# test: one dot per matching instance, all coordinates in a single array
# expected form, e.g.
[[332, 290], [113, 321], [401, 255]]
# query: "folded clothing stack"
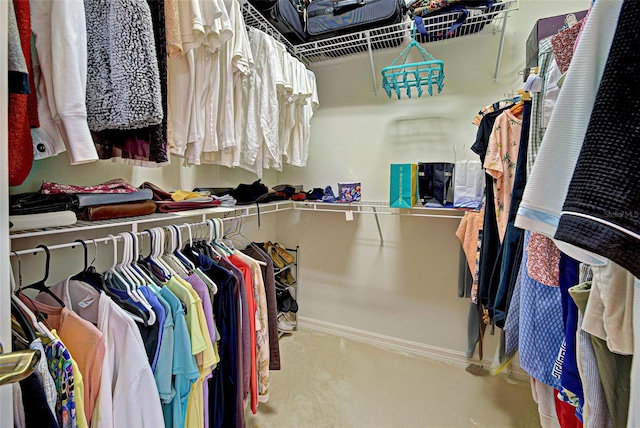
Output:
[[110, 200], [179, 200]]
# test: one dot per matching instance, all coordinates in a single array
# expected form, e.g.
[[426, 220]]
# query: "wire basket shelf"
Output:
[[491, 21]]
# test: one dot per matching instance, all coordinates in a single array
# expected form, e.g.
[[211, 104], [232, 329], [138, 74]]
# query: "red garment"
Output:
[[20, 142], [566, 413], [117, 185], [251, 305], [563, 44], [543, 264]]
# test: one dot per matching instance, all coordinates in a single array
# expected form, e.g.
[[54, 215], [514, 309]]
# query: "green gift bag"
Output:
[[404, 185]]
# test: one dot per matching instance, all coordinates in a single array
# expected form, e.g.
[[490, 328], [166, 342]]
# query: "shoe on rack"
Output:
[[291, 281], [284, 254], [291, 318], [283, 323], [273, 253], [285, 278], [285, 301]]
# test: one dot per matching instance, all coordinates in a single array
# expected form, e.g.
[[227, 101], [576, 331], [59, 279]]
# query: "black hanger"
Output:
[[40, 285], [27, 328], [89, 273]]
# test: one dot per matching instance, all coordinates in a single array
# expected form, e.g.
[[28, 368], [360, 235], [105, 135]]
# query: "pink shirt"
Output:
[[500, 163], [85, 343]]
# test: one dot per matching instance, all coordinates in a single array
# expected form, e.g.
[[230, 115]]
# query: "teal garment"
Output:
[[184, 368], [164, 365]]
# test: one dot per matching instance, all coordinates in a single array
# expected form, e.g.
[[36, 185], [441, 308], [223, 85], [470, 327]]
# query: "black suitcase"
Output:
[[327, 18], [286, 17]]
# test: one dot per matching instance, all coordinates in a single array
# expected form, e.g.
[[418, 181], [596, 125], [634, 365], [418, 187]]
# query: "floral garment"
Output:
[[61, 369], [500, 163]]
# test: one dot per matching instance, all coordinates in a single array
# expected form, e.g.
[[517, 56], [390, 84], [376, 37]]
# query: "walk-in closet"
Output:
[[203, 223]]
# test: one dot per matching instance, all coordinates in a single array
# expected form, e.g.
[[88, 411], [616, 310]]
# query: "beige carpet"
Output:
[[327, 381]]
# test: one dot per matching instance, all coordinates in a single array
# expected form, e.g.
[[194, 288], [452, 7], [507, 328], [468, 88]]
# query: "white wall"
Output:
[[406, 289]]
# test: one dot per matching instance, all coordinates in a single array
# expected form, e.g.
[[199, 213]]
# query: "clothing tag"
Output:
[[86, 302], [349, 215], [533, 83]]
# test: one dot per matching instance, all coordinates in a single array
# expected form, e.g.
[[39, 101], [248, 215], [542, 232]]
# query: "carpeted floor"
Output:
[[327, 381]]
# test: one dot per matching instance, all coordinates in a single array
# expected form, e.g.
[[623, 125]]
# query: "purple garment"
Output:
[[244, 345], [203, 292]]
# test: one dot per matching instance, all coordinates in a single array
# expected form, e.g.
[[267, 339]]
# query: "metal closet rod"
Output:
[[106, 239]]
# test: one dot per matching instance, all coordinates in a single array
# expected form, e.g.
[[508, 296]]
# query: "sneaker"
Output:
[[291, 318], [283, 324]]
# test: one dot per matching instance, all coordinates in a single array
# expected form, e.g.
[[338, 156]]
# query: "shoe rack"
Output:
[[286, 280]]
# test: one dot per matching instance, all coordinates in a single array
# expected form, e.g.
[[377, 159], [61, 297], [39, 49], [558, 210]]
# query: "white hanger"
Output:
[[136, 267], [126, 266], [113, 271], [127, 258], [219, 233], [153, 257], [211, 240], [169, 257], [178, 251], [159, 250]]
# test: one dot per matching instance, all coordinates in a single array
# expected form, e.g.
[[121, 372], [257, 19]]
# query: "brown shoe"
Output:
[[282, 252]]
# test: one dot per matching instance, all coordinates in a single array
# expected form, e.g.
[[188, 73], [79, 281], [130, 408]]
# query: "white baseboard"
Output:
[[403, 346]]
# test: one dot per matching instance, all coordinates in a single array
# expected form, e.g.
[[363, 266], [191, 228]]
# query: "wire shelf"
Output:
[[491, 21], [133, 223]]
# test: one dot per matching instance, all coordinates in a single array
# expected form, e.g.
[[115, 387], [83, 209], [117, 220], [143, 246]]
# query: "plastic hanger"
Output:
[[97, 280], [130, 281], [218, 228], [178, 251], [26, 325], [89, 274], [207, 245], [41, 285], [22, 307], [170, 258], [138, 281], [114, 272], [157, 269], [158, 249], [136, 266], [236, 231], [128, 258]]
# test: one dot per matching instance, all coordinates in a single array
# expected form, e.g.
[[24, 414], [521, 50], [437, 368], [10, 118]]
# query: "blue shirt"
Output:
[[164, 365], [184, 369]]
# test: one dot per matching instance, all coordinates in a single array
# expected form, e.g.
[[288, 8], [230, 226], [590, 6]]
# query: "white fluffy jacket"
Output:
[[123, 81]]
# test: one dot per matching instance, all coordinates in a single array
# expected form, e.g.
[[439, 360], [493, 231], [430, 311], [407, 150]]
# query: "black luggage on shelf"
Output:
[[286, 17], [328, 18], [263, 4]]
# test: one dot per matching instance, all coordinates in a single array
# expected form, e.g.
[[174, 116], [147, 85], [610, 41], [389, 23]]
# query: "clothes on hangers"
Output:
[[126, 373], [83, 340]]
